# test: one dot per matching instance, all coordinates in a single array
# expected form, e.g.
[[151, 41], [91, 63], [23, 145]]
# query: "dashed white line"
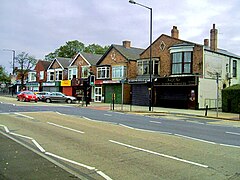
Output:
[[157, 122], [57, 125], [29, 117], [233, 133], [107, 114], [159, 154], [38, 145]]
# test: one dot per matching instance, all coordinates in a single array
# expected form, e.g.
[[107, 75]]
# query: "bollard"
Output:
[[206, 110]]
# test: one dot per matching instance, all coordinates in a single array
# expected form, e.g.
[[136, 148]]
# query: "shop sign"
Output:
[[111, 82], [32, 84], [49, 84], [177, 81], [66, 83]]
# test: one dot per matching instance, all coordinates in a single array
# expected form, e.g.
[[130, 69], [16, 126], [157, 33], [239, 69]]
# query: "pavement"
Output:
[[158, 111]]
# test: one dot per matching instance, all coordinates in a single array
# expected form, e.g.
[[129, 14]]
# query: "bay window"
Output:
[[118, 72], [103, 72], [143, 66], [182, 62], [85, 71], [72, 73]]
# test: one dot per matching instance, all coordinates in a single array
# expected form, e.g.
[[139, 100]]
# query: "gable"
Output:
[[54, 65], [79, 61], [113, 57]]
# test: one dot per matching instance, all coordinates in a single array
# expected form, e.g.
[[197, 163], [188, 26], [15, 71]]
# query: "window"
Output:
[[103, 72], [59, 75], [72, 73], [50, 75], [41, 75], [85, 71], [118, 72], [182, 62], [234, 68], [31, 76], [143, 67]]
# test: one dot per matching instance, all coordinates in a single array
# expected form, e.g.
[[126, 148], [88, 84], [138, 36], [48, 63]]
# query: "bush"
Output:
[[231, 99]]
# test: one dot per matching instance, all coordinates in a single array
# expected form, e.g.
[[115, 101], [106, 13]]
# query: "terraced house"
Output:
[[114, 69]]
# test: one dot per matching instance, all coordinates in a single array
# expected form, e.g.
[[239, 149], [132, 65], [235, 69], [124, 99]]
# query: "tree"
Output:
[[4, 77], [96, 49], [26, 63], [71, 48]]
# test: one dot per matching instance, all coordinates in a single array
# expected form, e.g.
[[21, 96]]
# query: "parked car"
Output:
[[41, 94], [58, 96], [27, 96]]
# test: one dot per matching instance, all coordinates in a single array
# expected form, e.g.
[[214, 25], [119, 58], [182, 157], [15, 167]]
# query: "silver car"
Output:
[[57, 97]]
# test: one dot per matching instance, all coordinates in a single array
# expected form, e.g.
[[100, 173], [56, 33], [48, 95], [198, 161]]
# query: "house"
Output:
[[38, 76], [188, 75], [79, 70], [114, 69], [56, 72]]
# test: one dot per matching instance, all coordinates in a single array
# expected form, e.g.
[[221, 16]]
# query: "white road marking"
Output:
[[65, 127], [29, 117], [196, 122], [159, 154], [107, 114], [5, 128], [19, 135], [137, 129], [210, 142], [38, 145], [234, 133], [157, 122], [227, 145], [80, 164], [60, 113]]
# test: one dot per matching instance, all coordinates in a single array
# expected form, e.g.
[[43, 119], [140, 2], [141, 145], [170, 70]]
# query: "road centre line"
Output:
[[137, 129], [66, 127], [107, 114], [157, 122], [233, 133], [29, 117], [159, 154]]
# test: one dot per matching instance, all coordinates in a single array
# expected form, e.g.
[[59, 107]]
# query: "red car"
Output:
[[27, 96]]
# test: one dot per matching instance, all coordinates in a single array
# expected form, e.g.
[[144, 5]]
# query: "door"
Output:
[[98, 94]]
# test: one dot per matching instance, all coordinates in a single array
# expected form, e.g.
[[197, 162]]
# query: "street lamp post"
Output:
[[13, 60], [150, 61]]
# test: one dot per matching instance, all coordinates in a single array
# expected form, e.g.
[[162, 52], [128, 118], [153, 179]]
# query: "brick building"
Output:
[[38, 76], [56, 72], [82, 66], [114, 69], [187, 74]]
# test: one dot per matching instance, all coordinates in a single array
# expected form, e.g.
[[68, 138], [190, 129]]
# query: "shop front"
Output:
[[139, 92], [32, 86], [66, 87], [177, 92], [52, 86]]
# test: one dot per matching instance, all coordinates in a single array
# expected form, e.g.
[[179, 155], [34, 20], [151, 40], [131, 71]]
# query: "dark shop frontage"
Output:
[[176, 92]]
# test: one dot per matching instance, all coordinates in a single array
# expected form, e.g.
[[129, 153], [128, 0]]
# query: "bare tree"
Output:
[[25, 64]]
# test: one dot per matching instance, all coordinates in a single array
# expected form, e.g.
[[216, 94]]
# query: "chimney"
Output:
[[206, 42], [175, 32], [213, 38], [127, 44]]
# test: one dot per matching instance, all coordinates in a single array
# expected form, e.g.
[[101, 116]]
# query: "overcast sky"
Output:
[[38, 27]]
